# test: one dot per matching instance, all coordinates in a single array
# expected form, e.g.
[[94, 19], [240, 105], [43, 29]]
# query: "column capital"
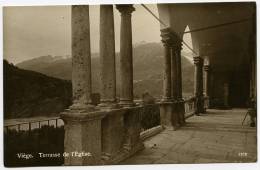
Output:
[[170, 39], [125, 9], [197, 60], [166, 36], [206, 67]]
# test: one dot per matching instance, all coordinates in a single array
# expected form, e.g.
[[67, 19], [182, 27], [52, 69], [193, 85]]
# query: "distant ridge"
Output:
[[148, 69], [28, 93]]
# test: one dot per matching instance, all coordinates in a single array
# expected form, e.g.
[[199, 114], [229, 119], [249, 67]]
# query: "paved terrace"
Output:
[[215, 137]]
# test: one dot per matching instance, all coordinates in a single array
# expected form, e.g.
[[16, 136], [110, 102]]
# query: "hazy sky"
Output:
[[35, 31]]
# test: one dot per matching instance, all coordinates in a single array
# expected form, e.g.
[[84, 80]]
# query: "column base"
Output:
[[181, 111], [166, 100], [108, 106], [121, 134], [126, 103], [82, 134], [81, 106], [169, 115], [112, 133], [206, 103], [132, 123], [199, 105]]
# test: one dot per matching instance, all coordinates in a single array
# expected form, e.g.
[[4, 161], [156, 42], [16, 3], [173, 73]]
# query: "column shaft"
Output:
[[126, 55], [207, 82], [107, 55], [253, 69], [181, 109], [81, 56], [165, 34], [198, 85], [167, 74], [174, 75], [198, 75], [179, 72]]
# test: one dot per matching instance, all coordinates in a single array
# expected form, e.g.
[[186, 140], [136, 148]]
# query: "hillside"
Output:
[[28, 93], [148, 69]]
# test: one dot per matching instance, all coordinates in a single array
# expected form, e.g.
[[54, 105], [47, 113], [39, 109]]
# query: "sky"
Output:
[[33, 31]]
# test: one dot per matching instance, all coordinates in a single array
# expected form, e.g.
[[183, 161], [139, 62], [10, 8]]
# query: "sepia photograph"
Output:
[[129, 84]]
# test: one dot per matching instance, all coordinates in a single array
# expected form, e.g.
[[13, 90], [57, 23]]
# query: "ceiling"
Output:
[[226, 45]]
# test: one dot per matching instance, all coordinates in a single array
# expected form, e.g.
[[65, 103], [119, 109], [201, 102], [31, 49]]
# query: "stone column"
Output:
[[165, 34], [179, 74], [107, 56], [174, 73], [253, 71], [181, 109], [207, 84], [166, 105], [206, 71], [168, 114], [82, 122], [132, 127], [81, 57], [126, 55], [253, 62], [175, 49], [198, 85]]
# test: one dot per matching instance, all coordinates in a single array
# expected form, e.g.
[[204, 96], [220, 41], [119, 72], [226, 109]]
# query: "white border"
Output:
[[96, 2], [229, 166]]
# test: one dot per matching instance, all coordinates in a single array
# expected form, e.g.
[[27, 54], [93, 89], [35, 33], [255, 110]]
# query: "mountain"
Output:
[[28, 93], [147, 62]]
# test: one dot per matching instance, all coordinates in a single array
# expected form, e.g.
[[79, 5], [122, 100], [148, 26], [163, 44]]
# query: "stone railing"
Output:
[[109, 135], [150, 116], [119, 134], [150, 120], [189, 106], [123, 130]]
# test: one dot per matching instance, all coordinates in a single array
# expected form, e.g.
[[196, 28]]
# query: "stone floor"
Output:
[[215, 137]]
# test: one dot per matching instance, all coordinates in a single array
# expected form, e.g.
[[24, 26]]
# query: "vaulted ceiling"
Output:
[[228, 28]]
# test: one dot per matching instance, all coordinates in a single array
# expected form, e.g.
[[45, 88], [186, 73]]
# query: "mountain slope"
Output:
[[28, 93], [147, 62]]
